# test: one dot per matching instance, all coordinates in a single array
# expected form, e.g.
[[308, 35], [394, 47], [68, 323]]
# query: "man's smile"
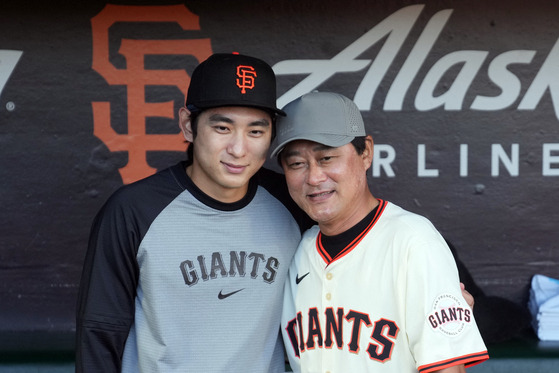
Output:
[[319, 195], [233, 168]]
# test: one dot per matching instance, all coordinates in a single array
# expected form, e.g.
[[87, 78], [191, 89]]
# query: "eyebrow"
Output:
[[216, 118], [316, 148]]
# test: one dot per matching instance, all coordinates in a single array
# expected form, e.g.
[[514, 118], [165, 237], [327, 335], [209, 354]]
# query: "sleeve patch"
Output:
[[449, 315]]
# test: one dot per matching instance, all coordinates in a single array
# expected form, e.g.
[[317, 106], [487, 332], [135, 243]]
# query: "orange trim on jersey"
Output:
[[346, 250], [467, 360]]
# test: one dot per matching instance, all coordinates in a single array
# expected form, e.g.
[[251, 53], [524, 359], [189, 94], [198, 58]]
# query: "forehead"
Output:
[[237, 113], [298, 147]]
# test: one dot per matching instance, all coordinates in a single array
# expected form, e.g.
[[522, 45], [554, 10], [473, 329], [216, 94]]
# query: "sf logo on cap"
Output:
[[246, 76]]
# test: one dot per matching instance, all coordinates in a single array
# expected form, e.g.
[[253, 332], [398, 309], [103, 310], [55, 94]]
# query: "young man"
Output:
[[185, 269], [372, 288]]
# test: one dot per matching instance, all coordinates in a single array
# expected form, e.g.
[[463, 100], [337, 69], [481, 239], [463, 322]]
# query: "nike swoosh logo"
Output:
[[223, 296], [299, 279]]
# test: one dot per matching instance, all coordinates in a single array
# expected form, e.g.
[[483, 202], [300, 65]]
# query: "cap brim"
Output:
[[214, 104], [325, 139]]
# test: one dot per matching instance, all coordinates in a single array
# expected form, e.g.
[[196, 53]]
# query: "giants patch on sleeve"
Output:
[[450, 315]]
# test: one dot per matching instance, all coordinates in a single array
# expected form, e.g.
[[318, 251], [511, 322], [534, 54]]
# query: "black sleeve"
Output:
[[276, 185], [105, 310], [107, 294]]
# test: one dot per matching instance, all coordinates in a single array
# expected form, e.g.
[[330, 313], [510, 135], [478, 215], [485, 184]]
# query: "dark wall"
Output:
[[462, 98]]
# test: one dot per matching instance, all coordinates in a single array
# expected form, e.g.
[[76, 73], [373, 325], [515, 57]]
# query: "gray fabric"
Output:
[[323, 117], [187, 258]]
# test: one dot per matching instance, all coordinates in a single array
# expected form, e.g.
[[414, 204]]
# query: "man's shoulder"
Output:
[[408, 225], [160, 187], [395, 212], [311, 234], [269, 178], [274, 182]]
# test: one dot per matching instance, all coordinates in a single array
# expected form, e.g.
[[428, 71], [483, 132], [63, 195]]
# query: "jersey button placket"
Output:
[[328, 294], [328, 288]]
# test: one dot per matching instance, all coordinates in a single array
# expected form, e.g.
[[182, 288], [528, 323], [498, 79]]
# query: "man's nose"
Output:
[[237, 145], [316, 174]]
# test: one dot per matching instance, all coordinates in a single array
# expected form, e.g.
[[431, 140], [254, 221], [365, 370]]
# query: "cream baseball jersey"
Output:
[[388, 302]]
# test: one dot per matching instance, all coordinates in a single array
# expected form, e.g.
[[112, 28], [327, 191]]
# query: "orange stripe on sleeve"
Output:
[[467, 360]]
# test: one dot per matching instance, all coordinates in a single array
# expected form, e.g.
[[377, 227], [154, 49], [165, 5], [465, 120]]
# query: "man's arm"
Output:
[[105, 310], [432, 270], [469, 298], [455, 369]]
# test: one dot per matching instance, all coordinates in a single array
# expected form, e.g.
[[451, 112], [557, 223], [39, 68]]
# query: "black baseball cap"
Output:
[[231, 79]]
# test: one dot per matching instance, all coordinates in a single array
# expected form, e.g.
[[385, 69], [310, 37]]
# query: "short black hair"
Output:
[[194, 126], [359, 144]]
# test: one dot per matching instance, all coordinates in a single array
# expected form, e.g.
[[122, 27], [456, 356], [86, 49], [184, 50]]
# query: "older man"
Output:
[[373, 287]]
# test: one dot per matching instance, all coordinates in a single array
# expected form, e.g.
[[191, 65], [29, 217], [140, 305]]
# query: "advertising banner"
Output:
[[461, 98]]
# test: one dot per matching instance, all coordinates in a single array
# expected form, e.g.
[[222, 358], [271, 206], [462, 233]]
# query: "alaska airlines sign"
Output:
[[395, 29], [392, 32], [8, 62]]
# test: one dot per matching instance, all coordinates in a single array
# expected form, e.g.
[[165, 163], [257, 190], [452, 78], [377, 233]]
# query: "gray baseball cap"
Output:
[[324, 117]]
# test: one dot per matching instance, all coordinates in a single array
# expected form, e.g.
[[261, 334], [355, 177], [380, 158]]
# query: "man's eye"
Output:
[[221, 128], [295, 165]]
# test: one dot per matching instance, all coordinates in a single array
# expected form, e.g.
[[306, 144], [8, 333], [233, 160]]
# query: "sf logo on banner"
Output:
[[135, 77]]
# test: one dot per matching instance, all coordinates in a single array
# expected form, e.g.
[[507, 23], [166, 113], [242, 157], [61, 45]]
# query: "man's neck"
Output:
[[220, 194], [332, 228]]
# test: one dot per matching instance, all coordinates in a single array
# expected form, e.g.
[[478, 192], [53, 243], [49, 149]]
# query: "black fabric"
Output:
[[276, 185], [103, 317], [498, 319], [226, 79], [334, 244], [214, 203]]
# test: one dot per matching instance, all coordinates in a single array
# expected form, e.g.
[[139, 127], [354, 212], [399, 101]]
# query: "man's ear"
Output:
[[368, 152], [185, 124]]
